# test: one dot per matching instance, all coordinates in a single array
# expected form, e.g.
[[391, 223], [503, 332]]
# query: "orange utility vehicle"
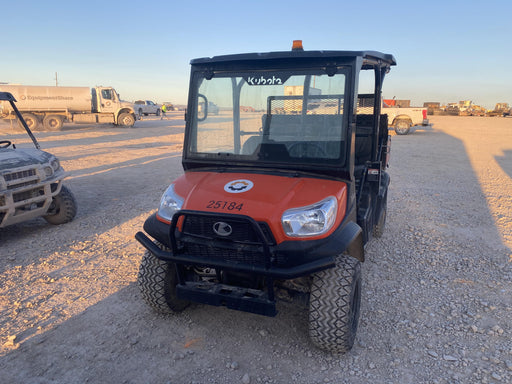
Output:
[[278, 198]]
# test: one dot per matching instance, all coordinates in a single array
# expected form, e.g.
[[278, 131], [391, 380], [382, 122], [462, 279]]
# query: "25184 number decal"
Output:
[[229, 205]]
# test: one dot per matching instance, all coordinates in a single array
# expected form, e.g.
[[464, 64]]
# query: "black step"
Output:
[[238, 298]]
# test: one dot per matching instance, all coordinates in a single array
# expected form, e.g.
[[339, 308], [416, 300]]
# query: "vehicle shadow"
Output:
[[505, 162], [441, 247]]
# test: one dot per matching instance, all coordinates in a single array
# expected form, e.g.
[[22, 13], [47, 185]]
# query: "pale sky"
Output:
[[446, 51]]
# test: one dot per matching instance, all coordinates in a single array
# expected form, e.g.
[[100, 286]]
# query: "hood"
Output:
[[14, 158], [262, 197], [127, 104]]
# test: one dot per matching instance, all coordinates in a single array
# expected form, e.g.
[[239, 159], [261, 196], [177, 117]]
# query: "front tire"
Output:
[[334, 304], [157, 281], [126, 120], [62, 209]]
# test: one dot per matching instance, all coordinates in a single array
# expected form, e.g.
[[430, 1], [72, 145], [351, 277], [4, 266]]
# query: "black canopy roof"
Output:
[[369, 57]]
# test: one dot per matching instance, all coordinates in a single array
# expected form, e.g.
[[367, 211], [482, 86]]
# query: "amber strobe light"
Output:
[[297, 45]]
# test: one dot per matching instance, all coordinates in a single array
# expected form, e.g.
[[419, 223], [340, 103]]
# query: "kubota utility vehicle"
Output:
[[281, 189]]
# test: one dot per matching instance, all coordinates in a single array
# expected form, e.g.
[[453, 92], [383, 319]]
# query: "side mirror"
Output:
[[202, 107]]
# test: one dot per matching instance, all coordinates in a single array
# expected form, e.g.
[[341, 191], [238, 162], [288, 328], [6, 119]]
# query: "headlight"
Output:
[[48, 171], [55, 164], [170, 203], [312, 220]]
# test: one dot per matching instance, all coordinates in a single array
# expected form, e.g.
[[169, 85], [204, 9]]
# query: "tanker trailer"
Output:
[[51, 106]]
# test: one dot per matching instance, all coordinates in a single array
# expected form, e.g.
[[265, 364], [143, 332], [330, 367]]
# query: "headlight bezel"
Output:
[[311, 220], [170, 203]]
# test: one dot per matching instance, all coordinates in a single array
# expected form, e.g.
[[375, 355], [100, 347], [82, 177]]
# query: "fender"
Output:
[[402, 117], [349, 240], [157, 230]]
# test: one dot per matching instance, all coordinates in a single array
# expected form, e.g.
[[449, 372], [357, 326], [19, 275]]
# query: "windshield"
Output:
[[274, 117]]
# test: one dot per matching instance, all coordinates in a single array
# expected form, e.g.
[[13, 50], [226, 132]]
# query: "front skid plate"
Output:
[[241, 299]]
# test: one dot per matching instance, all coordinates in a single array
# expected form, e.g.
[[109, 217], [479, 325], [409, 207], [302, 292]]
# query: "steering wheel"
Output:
[[4, 143], [307, 149]]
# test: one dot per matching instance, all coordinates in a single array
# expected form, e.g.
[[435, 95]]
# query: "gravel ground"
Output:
[[437, 300]]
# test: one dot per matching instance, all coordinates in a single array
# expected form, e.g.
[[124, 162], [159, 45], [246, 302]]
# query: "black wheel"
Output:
[[32, 121], [402, 127], [334, 305], [53, 122], [126, 119], [158, 112], [157, 281], [62, 209], [4, 143], [140, 113]]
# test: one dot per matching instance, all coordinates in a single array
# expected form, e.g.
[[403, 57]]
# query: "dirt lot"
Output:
[[437, 301]]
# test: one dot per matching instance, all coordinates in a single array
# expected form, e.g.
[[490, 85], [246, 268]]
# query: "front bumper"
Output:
[[273, 272], [287, 260], [258, 257], [27, 202]]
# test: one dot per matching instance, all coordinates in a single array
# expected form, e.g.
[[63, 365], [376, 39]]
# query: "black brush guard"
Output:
[[227, 254]]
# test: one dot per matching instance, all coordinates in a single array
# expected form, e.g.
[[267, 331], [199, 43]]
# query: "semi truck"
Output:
[[49, 107]]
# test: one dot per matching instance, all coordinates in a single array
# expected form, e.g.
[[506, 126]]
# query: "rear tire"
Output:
[[63, 208], [157, 281], [334, 305], [53, 122], [32, 121], [402, 127], [158, 112]]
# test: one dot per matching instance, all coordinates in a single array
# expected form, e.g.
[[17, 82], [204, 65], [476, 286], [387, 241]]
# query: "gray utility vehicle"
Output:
[[281, 189], [31, 182]]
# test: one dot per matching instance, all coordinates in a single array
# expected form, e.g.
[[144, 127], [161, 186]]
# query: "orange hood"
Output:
[[262, 197]]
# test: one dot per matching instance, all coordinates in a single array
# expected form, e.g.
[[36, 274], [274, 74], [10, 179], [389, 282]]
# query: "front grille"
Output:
[[243, 231], [20, 179], [242, 242], [19, 175]]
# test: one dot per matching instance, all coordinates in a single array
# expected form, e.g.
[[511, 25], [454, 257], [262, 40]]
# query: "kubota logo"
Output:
[[222, 229], [238, 186]]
